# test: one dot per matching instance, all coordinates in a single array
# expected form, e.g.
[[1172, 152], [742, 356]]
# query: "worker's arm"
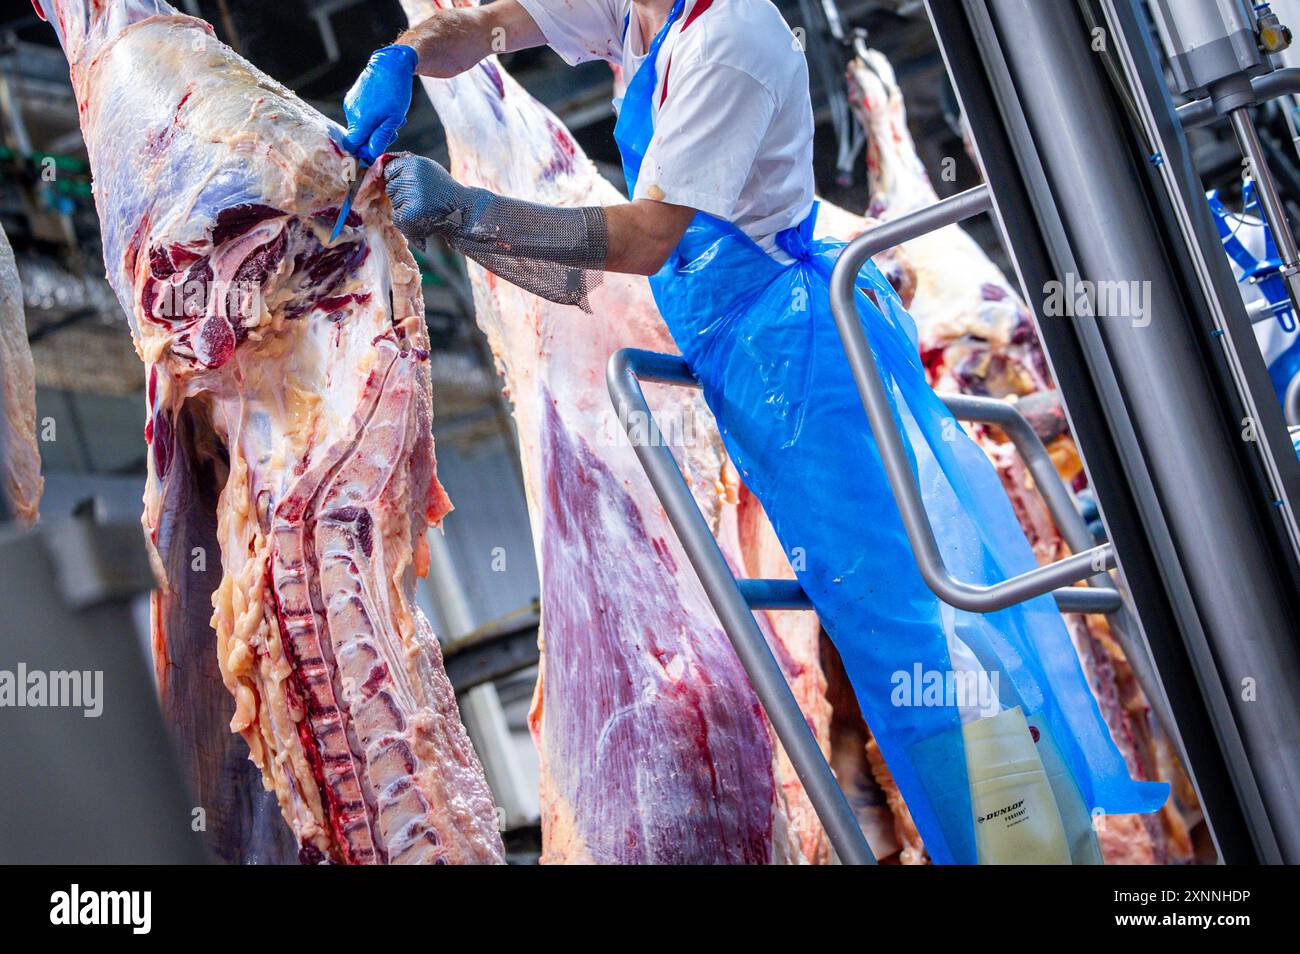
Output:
[[554, 252], [454, 40], [642, 234], [448, 43]]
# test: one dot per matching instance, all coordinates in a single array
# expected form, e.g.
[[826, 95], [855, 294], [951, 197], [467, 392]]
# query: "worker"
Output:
[[737, 93], [715, 129]]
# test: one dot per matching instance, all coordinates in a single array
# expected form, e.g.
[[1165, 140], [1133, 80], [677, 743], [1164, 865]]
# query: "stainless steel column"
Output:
[[1237, 609]]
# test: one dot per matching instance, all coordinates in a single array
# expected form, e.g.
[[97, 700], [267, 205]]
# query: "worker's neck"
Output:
[[651, 15]]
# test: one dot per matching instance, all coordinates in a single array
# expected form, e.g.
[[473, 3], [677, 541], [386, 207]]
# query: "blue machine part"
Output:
[[1264, 273]]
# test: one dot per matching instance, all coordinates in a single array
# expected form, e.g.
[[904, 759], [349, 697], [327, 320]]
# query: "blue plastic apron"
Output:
[[761, 338]]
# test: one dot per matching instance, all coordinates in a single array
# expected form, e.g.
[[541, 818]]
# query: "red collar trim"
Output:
[[691, 17]]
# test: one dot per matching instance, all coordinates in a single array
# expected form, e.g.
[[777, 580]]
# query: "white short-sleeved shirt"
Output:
[[734, 129]]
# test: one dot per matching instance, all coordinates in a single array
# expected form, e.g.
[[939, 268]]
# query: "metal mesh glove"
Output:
[[553, 252]]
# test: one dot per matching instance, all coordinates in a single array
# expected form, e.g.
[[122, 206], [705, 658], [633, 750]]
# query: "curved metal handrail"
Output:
[[893, 453]]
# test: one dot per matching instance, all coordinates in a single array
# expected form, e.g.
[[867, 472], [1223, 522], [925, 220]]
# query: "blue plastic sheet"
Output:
[[760, 336]]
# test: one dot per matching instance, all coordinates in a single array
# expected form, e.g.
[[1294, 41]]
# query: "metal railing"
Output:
[[893, 453], [735, 600], [1087, 561]]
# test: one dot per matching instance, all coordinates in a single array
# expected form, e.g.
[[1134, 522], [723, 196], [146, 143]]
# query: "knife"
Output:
[[347, 202]]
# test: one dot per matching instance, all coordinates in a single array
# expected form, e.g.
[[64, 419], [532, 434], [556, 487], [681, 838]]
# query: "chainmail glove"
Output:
[[556, 253]]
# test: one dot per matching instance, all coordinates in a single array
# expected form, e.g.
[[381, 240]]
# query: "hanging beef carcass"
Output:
[[977, 337], [19, 459], [289, 424], [652, 743], [653, 746]]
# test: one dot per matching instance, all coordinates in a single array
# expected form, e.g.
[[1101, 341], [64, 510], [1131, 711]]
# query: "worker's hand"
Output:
[[378, 101], [423, 194]]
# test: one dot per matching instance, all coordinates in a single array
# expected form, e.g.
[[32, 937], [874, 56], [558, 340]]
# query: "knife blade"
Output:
[[347, 203]]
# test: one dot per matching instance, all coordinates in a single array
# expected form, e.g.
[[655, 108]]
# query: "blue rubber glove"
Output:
[[378, 101]]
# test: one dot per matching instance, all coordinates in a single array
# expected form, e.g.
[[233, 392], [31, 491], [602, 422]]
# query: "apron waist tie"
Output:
[[797, 240]]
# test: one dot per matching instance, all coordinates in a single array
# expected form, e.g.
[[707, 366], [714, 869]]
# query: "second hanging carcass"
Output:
[[653, 745]]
